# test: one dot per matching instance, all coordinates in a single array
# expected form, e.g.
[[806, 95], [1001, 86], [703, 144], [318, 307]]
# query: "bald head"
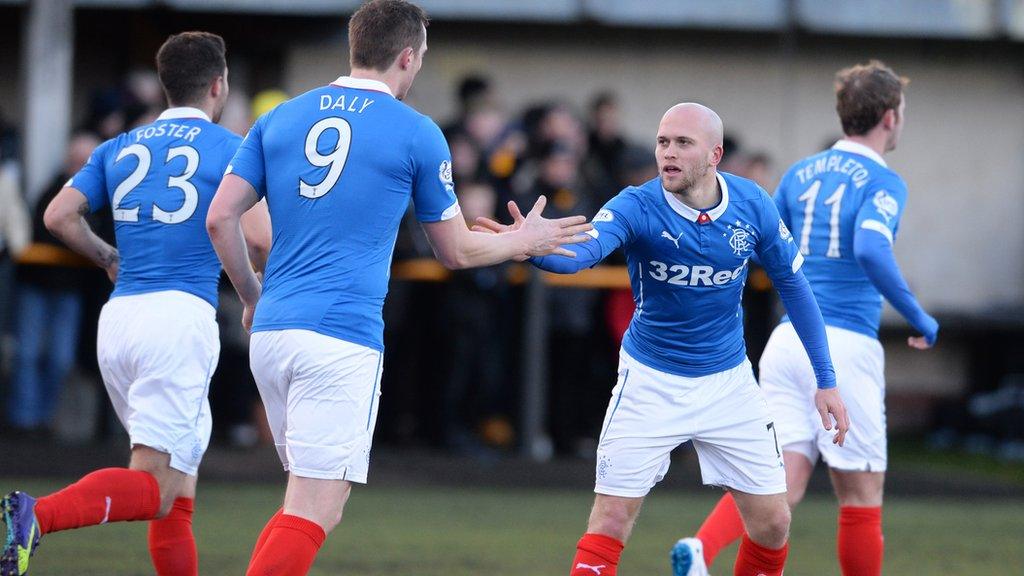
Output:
[[689, 147], [697, 117]]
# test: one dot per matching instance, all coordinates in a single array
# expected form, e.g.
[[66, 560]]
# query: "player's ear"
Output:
[[405, 58], [716, 155], [889, 118]]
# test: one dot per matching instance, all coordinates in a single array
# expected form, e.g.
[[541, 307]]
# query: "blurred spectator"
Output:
[[572, 311], [759, 169], [603, 166], [473, 301], [474, 93], [15, 234], [49, 309]]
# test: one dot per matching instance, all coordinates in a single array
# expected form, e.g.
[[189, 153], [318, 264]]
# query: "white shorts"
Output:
[[651, 413], [157, 352], [321, 397], [789, 385]]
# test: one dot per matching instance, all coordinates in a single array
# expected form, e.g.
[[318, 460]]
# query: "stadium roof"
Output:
[[955, 19]]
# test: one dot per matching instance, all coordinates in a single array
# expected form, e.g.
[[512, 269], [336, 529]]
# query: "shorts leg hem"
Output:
[[332, 475], [606, 491], [755, 490]]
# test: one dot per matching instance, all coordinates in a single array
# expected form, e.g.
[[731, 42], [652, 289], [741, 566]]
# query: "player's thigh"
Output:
[[736, 441], [272, 355], [331, 408], [642, 425], [788, 383], [860, 373], [862, 489]]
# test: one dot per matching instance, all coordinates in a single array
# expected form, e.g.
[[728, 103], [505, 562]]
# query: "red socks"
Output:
[[289, 549], [756, 560], [596, 555], [262, 539], [108, 495], [721, 528], [171, 544], [859, 541]]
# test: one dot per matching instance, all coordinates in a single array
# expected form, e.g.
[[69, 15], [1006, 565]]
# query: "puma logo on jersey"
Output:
[[673, 239], [594, 569]]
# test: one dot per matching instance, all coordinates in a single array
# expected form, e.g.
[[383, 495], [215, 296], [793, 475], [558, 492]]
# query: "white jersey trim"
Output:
[[857, 148], [451, 212], [183, 112], [362, 84], [878, 227], [692, 214]]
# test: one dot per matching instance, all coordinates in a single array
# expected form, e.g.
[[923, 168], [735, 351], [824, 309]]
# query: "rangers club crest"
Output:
[[740, 238], [784, 232]]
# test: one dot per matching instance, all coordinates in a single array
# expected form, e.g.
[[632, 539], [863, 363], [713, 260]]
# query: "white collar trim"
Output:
[[858, 148], [362, 84], [183, 112], [692, 214]]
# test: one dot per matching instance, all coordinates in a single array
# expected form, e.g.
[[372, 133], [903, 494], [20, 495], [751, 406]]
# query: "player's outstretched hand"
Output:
[[547, 236], [489, 226], [918, 342], [830, 407]]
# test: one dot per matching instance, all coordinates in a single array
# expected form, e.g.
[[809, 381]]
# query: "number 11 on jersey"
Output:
[[835, 201]]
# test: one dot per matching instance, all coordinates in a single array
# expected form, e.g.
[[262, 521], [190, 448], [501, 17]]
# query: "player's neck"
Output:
[[389, 78], [704, 194], [207, 107], [874, 140]]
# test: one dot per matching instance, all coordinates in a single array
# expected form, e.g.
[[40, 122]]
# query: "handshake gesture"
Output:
[[540, 236]]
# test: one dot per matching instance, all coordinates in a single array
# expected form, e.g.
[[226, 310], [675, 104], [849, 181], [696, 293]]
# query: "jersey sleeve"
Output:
[[776, 249], [433, 188], [248, 162], [91, 180], [883, 205], [230, 147]]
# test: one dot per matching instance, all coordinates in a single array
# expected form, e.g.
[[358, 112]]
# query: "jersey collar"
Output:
[[362, 84], [692, 214], [857, 148], [183, 112]]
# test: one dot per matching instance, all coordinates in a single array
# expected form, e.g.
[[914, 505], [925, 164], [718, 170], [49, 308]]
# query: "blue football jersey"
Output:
[[687, 269], [825, 199], [338, 166], [159, 180]]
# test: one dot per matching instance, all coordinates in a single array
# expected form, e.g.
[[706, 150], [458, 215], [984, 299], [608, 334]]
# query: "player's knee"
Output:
[[772, 529]]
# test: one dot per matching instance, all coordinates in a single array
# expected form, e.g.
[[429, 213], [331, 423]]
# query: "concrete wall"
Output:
[[961, 243]]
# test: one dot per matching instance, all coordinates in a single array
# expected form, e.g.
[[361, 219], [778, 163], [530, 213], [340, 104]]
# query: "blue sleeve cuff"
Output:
[[587, 254], [875, 256]]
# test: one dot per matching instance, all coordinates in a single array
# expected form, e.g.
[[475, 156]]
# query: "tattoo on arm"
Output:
[[83, 208]]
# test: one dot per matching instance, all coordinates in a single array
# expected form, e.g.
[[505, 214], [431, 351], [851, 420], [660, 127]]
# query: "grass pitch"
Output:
[[433, 531]]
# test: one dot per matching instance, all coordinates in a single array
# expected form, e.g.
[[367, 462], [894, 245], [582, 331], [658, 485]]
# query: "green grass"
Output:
[[461, 532]]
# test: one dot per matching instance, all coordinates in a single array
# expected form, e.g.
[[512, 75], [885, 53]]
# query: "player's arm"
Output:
[[782, 262], [257, 231], [608, 234], [234, 197], [65, 219], [872, 247], [456, 246]]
